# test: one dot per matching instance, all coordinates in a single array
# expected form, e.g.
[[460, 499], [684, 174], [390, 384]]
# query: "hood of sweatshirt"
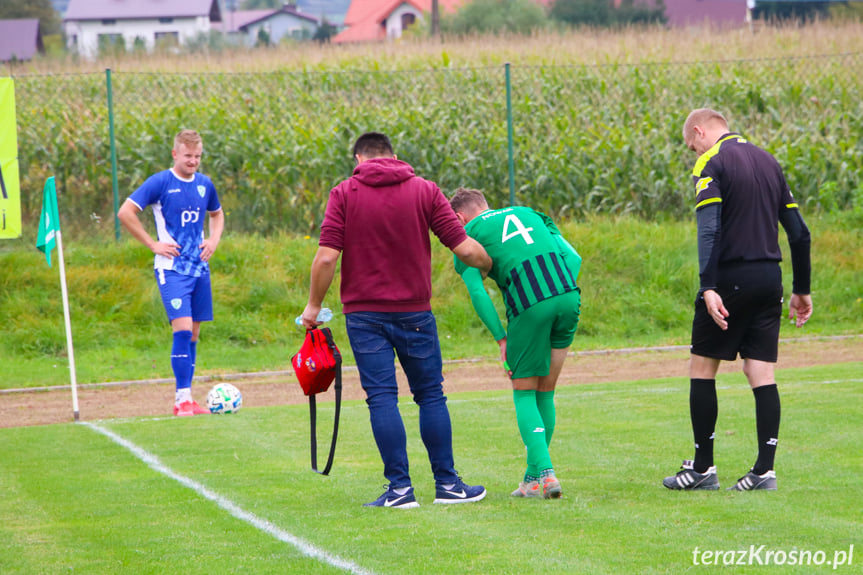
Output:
[[382, 172]]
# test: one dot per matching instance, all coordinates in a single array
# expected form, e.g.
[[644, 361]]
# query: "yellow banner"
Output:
[[10, 192]]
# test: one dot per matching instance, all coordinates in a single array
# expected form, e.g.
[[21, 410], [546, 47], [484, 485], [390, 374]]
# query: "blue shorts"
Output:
[[185, 296]]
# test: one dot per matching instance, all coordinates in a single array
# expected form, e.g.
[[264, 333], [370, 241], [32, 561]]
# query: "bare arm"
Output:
[[473, 254], [323, 272], [217, 226], [128, 216]]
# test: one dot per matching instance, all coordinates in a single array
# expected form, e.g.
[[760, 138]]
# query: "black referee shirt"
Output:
[[750, 186], [741, 198]]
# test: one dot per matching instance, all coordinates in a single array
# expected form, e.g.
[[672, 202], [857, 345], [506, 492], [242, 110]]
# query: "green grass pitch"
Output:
[[235, 493]]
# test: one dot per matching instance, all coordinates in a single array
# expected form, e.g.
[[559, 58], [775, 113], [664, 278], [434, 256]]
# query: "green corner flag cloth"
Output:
[[49, 222]]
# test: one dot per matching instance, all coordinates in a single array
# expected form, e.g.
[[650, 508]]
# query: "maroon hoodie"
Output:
[[380, 220]]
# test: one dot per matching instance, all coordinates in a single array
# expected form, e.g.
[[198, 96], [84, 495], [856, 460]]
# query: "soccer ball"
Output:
[[224, 398]]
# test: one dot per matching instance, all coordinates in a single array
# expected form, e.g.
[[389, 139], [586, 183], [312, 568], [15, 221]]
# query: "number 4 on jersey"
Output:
[[520, 230]]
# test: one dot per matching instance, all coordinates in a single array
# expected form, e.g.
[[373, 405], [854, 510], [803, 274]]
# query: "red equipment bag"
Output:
[[317, 364]]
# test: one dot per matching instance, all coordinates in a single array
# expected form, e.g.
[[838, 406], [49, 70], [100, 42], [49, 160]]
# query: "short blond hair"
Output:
[[190, 138], [700, 117]]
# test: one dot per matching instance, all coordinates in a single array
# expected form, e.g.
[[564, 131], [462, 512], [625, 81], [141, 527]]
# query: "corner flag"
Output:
[[48, 238], [49, 221]]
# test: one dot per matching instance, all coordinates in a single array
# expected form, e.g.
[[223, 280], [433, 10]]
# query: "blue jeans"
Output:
[[376, 338]]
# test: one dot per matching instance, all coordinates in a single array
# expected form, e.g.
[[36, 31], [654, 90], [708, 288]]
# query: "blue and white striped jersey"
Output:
[[179, 209]]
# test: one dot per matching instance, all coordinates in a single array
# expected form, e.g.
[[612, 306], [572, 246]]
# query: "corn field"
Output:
[[586, 138]]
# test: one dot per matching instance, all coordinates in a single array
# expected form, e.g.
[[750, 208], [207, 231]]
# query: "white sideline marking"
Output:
[[302, 546]]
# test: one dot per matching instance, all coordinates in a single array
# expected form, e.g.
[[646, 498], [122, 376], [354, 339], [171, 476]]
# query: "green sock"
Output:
[[532, 430], [545, 404]]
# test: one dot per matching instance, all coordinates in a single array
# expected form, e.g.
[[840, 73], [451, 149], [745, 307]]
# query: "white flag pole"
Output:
[[59, 238]]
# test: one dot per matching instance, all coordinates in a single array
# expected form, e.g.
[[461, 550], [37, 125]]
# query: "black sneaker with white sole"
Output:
[[392, 499], [690, 480], [753, 482], [460, 492]]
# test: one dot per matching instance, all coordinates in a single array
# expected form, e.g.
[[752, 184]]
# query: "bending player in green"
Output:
[[536, 271]]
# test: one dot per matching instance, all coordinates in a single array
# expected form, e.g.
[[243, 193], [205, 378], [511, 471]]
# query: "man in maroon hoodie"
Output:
[[379, 219]]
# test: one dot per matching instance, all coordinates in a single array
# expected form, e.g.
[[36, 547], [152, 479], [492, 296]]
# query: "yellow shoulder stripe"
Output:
[[706, 156], [708, 201], [790, 206]]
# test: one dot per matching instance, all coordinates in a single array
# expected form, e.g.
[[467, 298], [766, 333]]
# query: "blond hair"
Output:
[[700, 117], [190, 138]]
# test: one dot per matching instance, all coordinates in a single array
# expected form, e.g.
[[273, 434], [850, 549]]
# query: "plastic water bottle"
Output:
[[324, 316]]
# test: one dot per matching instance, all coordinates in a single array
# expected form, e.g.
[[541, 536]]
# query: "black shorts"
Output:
[[752, 294]]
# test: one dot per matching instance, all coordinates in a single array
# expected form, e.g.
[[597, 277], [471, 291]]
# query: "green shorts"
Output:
[[549, 324]]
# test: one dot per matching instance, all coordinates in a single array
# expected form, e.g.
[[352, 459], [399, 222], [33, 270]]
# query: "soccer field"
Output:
[[234, 493]]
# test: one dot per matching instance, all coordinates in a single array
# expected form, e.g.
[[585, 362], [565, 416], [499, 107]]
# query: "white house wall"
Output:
[[394, 20], [86, 32]]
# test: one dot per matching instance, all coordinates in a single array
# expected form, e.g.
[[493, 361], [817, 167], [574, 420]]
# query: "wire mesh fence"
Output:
[[585, 138]]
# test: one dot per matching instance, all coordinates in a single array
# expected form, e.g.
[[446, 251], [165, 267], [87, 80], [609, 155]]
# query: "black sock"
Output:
[[767, 412], [703, 410]]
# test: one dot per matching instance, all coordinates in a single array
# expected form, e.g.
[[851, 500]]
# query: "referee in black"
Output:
[[741, 198]]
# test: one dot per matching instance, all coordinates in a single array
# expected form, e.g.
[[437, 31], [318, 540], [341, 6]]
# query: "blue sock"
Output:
[[193, 353], [181, 359]]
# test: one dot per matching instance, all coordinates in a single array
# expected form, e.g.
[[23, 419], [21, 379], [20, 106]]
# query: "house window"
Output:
[[407, 20], [166, 20], [301, 34], [110, 39], [110, 22], [111, 44], [167, 39]]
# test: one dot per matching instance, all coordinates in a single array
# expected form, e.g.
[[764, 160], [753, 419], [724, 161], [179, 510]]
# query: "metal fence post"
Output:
[[114, 185], [509, 137]]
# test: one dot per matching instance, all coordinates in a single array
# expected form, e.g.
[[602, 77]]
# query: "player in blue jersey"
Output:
[[181, 198]]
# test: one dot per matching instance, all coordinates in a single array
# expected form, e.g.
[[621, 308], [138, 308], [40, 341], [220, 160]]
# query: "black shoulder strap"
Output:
[[313, 409]]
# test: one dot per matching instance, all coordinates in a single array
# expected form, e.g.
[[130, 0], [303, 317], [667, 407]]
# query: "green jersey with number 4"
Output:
[[532, 261]]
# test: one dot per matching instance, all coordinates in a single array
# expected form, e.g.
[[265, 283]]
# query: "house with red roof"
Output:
[[91, 23], [373, 20], [20, 39]]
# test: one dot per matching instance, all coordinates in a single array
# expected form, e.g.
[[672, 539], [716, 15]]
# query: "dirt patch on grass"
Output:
[[151, 399]]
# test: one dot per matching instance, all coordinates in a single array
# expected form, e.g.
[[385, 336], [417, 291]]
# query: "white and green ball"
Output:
[[224, 398]]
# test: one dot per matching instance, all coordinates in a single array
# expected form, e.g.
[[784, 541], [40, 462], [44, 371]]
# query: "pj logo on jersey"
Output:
[[189, 217], [201, 191]]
